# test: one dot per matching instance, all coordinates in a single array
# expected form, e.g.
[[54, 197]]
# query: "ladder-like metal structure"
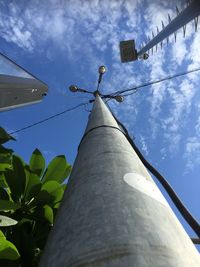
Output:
[[191, 12]]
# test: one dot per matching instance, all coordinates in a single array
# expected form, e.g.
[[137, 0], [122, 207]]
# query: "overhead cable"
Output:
[[48, 118], [134, 89], [172, 194]]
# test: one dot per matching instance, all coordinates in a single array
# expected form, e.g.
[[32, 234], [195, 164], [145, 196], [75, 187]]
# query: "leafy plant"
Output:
[[30, 195]]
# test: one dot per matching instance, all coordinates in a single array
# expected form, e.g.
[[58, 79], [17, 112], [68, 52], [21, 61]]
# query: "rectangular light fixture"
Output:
[[17, 86]]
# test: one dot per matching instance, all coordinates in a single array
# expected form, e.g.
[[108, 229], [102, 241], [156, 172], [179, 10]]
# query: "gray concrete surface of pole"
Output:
[[112, 213]]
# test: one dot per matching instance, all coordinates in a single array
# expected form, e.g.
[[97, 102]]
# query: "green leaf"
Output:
[[16, 178], [64, 186], [2, 180], [7, 249], [6, 221], [47, 195], [67, 171], [4, 194], [4, 136], [4, 166], [33, 185], [50, 186], [56, 170], [2, 236], [48, 213], [5, 158], [58, 194], [5, 150], [37, 162], [8, 205]]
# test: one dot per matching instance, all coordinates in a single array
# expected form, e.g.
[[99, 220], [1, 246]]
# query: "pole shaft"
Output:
[[112, 213]]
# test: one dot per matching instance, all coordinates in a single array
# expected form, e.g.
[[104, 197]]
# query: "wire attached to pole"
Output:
[[172, 194], [134, 89], [48, 118]]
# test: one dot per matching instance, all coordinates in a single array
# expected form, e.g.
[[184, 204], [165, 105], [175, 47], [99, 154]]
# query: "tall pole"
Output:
[[112, 213]]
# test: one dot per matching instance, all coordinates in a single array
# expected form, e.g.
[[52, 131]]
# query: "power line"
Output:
[[174, 197], [48, 118], [131, 90], [134, 89]]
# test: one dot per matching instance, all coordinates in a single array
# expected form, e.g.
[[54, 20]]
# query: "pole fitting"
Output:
[[96, 93]]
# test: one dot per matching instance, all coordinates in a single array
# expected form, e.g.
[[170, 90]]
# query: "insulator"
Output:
[[169, 18], [175, 34], [163, 26], [184, 30], [157, 30], [196, 23], [152, 34]]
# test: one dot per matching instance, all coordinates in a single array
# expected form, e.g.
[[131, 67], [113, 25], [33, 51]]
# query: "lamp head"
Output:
[[119, 98], [73, 88], [102, 69]]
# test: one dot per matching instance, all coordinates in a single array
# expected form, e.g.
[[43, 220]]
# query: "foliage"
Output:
[[29, 198]]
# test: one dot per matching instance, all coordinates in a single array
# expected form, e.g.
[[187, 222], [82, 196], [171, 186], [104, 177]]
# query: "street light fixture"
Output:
[[119, 98], [102, 70], [73, 88]]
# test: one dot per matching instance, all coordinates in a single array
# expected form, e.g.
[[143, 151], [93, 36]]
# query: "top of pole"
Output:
[[100, 115]]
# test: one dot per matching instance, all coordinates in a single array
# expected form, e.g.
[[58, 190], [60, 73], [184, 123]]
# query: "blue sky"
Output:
[[64, 43]]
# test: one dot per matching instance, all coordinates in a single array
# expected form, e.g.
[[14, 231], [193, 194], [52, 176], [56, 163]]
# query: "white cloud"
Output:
[[13, 28], [192, 146], [192, 153], [197, 127], [181, 98], [144, 145], [179, 51]]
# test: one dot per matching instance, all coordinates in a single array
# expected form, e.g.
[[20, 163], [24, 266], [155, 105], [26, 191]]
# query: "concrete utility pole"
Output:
[[112, 213]]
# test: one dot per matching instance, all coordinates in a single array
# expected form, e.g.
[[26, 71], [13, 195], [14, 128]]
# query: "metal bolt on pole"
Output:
[[112, 213]]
